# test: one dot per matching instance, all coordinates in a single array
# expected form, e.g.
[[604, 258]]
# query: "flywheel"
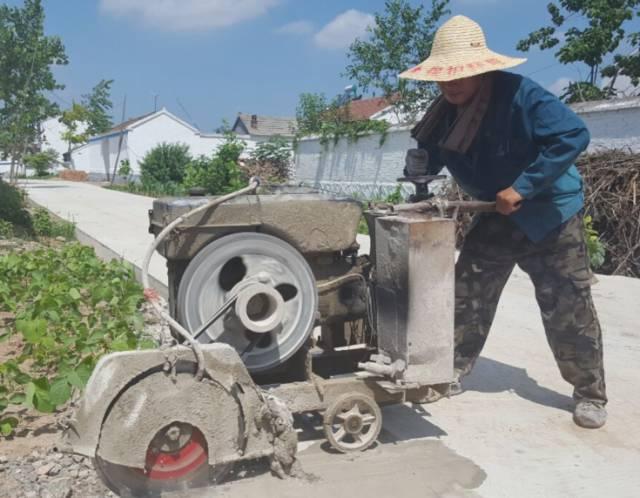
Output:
[[252, 291]]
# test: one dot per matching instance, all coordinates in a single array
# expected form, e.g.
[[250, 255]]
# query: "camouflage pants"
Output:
[[559, 269]]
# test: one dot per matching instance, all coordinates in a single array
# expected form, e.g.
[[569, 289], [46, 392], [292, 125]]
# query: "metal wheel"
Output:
[[352, 422], [177, 459], [270, 280]]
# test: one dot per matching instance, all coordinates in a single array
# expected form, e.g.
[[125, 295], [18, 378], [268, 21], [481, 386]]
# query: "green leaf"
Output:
[[60, 392], [7, 425], [74, 294], [4, 402], [84, 370], [146, 344], [42, 384], [32, 330], [120, 344], [18, 376], [74, 379], [29, 393], [17, 399], [48, 343], [42, 403]]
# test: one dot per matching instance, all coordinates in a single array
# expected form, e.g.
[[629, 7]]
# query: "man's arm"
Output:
[[560, 136]]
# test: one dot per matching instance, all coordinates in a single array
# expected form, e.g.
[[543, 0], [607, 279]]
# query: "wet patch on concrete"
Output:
[[418, 468]]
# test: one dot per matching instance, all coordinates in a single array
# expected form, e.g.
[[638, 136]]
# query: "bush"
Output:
[[44, 226], [12, 206], [219, 174], [150, 189], [125, 168], [6, 229], [41, 162], [165, 164], [275, 153]]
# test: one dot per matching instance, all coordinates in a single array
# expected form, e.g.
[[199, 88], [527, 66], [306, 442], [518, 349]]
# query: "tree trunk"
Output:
[[12, 170]]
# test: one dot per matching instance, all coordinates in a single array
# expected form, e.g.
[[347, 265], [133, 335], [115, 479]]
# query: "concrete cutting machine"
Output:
[[273, 313]]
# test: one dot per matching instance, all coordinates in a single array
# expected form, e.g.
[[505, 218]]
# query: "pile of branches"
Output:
[[269, 171], [612, 199]]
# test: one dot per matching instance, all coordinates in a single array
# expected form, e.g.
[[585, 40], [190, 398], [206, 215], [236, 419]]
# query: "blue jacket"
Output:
[[528, 140]]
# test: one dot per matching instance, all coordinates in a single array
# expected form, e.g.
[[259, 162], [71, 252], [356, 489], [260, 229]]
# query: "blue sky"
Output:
[[206, 60]]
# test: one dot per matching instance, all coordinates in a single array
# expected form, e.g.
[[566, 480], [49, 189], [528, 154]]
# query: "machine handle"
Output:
[[440, 205], [446, 205]]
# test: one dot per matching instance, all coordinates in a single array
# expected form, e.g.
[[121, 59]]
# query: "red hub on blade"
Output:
[[165, 466]]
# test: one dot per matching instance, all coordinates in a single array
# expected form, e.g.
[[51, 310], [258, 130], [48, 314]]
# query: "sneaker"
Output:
[[589, 415]]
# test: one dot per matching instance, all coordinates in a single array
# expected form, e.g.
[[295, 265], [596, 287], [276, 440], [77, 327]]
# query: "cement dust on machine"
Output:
[[251, 275]]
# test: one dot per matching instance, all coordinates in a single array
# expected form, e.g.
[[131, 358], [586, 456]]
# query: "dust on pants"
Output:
[[559, 269]]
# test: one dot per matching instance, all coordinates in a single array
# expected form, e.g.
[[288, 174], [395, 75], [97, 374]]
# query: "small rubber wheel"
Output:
[[352, 422]]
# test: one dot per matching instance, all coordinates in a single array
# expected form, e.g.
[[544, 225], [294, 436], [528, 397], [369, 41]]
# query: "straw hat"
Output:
[[459, 50]]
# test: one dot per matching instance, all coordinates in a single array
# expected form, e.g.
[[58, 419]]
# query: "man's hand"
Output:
[[508, 201], [416, 162]]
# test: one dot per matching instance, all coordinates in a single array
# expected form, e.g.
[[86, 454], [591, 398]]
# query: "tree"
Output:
[[274, 154], [41, 162], [26, 57], [333, 121], [309, 112], [164, 165], [400, 38], [626, 64], [75, 119], [98, 104], [596, 31]]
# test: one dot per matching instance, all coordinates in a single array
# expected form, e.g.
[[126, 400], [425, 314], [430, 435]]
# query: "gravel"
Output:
[[50, 474]]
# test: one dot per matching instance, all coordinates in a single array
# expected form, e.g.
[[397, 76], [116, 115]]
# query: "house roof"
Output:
[[254, 124], [366, 108], [125, 124], [137, 121], [606, 105]]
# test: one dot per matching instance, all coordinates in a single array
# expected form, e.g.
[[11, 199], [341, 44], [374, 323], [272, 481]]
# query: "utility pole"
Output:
[[122, 132], [155, 102]]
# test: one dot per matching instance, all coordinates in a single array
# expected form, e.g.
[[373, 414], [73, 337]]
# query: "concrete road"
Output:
[[115, 223], [510, 434]]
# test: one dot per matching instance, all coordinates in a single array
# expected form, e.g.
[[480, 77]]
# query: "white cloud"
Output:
[[296, 28], [558, 86], [343, 30], [188, 15]]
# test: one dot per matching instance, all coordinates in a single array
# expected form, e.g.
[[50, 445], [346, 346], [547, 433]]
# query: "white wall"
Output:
[[365, 166], [5, 168], [146, 136], [614, 129], [99, 156]]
